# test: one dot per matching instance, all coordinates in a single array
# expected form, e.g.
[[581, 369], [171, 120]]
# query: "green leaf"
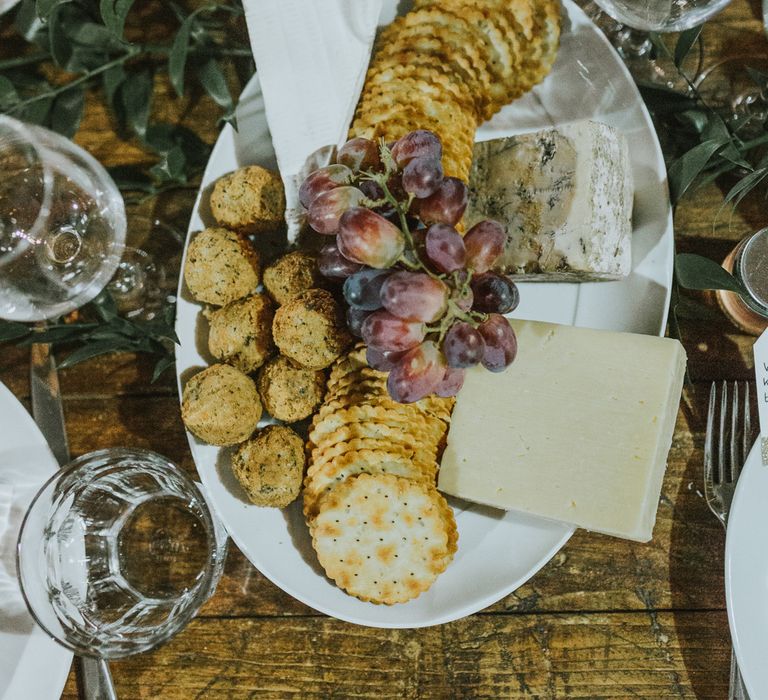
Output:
[[11, 330], [64, 333], [130, 177], [685, 169], [697, 272], [26, 22], [213, 81], [45, 7], [60, 45], [663, 100], [88, 352], [162, 137], [732, 154], [171, 167], [744, 186], [93, 36], [177, 58], [113, 13], [161, 366], [716, 129], [67, 111], [37, 112], [112, 79], [685, 41], [697, 119], [136, 100], [8, 95]]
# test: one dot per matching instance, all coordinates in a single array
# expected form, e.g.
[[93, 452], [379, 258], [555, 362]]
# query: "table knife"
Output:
[[93, 676]]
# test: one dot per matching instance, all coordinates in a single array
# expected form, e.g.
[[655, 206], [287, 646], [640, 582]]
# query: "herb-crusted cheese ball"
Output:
[[221, 405], [270, 466], [288, 392], [250, 200], [311, 330], [291, 275], [221, 266], [240, 333]]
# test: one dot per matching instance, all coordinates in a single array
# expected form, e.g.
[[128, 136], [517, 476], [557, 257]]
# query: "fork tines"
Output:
[[726, 448]]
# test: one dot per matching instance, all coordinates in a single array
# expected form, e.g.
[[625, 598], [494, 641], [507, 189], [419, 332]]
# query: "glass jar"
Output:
[[748, 262]]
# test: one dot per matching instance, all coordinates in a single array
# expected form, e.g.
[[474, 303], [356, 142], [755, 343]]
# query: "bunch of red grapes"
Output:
[[423, 299]]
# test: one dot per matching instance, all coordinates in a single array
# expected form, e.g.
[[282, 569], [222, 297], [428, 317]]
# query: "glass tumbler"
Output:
[[117, 553]]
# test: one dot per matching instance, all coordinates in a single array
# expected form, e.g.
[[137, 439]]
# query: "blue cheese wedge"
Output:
[[577, 429], [565, 197]]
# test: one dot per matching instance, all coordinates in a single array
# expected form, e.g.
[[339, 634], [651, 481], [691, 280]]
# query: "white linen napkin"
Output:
[[311, 59]]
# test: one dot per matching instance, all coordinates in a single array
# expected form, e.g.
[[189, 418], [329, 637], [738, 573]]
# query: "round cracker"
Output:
[[320, 456], [411, 438], [384, 538], [336, 471]]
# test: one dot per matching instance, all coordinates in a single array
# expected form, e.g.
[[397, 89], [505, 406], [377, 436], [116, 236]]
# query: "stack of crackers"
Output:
[[449, 65], [379, 526]]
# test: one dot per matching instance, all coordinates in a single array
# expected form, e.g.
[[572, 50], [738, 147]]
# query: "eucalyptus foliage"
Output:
[[700, 144], [70, 47], [74, 46]]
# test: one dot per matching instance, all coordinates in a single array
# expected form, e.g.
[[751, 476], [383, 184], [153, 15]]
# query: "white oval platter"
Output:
[[498, 551]]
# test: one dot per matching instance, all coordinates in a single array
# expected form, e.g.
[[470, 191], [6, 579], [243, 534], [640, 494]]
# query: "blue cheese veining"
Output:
[[565, 198]]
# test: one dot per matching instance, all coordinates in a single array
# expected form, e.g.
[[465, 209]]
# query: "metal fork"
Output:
[[726, 446]]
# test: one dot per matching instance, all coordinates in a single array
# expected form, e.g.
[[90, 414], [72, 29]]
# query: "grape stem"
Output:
[[455, 312], [402, 208], [408, 263]]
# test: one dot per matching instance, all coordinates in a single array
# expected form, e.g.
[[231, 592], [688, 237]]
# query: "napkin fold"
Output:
[[311, 59]]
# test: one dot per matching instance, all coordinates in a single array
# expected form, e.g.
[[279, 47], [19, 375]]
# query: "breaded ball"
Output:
[[221, 266], [240, 333], [311, 329], [291, 275], [270, 466], [288, 392], [221, 405], [250, 200]]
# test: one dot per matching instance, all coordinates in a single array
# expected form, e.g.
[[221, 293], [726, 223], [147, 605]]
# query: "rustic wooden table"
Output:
[[604, 619]]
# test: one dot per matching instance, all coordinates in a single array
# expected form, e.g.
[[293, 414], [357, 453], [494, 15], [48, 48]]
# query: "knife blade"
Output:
[[93, 677]]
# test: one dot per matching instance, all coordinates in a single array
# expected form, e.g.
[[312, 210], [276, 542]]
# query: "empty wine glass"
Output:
[[662, 15], [629, 22], [145, 283], [62, 224]]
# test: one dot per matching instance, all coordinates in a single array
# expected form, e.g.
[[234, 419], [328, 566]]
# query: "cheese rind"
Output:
[[565, 197], [577, 429]]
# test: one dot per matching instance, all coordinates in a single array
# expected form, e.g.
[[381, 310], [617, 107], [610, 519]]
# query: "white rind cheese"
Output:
[[577, 429], [565, 197]]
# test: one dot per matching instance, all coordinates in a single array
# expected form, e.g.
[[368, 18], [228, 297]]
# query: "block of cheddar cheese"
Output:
[[577, 429]]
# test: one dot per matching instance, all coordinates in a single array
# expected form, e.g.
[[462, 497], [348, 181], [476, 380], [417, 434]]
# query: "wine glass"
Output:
[[117, 552], [629, 22], [62, 224], [662, 15], [144, 285]]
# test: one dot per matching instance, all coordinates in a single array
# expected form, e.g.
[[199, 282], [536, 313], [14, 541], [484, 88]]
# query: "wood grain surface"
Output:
[[605, 618]]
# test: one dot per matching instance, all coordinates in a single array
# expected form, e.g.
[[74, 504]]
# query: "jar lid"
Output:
[[752, 266]]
